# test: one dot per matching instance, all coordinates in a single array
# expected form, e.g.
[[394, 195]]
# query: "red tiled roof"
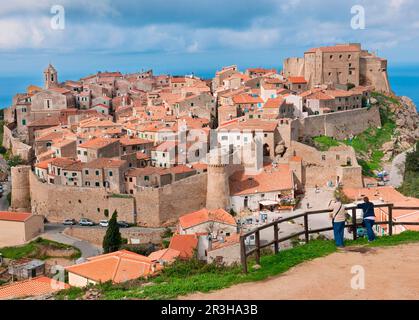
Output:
[[270, 180], [246, 99], [32, 287], [297, 80], [167, 255], [117, 267], [14, 216], [228, 241], [185, 244], [44, 164], [97, 143], [133, 141], [204, 215], [274, 103]]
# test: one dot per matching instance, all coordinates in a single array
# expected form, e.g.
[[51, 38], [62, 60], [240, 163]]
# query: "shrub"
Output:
[[167, 233], [143, 249]]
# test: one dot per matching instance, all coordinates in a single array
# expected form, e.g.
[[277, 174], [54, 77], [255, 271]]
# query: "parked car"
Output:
[[69, 222], [86, 223], [104, 223], [123, 224]]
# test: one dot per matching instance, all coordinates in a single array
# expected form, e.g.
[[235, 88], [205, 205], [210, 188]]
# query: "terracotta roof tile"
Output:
[[167, 255], [14, 216], [32, 287], [185, 244], [297, 80], [204, 215], [97, 143], [270, 180], [246, 99], [120, 266]]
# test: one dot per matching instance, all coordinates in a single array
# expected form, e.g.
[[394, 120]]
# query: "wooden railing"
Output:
[[307, 231]]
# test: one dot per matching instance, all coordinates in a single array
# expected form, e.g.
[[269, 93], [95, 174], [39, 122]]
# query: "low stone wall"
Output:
[[96, 235]]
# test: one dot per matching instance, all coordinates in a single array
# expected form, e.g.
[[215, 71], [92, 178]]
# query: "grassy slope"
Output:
[[185, 278], [32, 250]]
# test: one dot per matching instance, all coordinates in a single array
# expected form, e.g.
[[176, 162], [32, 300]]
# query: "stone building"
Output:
[[340, 64], [17, 228], [98, 148]]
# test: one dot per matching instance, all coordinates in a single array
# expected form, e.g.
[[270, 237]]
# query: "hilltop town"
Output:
[[206, 159]]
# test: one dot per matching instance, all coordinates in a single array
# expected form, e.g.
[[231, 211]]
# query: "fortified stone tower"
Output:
[[51, 77], [20, 188], [218, 189]]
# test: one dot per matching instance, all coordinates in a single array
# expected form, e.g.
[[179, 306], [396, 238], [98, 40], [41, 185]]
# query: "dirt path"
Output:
[[390, 273]]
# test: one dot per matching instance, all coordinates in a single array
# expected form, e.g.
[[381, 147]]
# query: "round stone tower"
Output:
[[20, 188], [218, 189]]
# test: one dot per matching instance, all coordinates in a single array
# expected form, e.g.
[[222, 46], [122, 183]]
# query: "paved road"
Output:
[[316, 200], [54, 232], [397, 170]]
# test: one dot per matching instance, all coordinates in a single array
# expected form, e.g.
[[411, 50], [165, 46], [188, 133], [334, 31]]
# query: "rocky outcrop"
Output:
[[407, 130]]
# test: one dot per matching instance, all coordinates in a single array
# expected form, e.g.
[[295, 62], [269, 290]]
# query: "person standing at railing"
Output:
[[368, 217], [338, 216]]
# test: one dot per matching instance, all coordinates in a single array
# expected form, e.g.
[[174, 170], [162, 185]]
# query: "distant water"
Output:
[[404, 80]]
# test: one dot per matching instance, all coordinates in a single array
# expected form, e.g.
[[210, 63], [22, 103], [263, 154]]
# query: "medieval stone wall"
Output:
[[151, 207], [57, 203], [17, 147], [340, 125], [163, 206]]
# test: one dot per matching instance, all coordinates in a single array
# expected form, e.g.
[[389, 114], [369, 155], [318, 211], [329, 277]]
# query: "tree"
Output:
[[112, 240]]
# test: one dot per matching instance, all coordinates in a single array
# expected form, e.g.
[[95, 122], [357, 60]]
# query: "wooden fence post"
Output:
[[257, 240], [276, 244], [390, 219], [354, 223], [243, 253], [306, 234]]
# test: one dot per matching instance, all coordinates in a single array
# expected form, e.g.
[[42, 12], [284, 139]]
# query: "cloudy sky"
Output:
[[194, 35]]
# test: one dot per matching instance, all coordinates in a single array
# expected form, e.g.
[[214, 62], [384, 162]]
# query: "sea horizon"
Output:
[[404, 80]]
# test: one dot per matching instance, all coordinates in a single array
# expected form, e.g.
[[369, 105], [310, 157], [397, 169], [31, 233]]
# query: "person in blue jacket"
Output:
[[369, 217]]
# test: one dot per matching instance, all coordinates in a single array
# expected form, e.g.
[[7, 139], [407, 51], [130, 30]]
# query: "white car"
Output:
[[104, 223]]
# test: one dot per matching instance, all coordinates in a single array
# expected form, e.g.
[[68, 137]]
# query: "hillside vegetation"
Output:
[[369, 144], [410, 186]]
